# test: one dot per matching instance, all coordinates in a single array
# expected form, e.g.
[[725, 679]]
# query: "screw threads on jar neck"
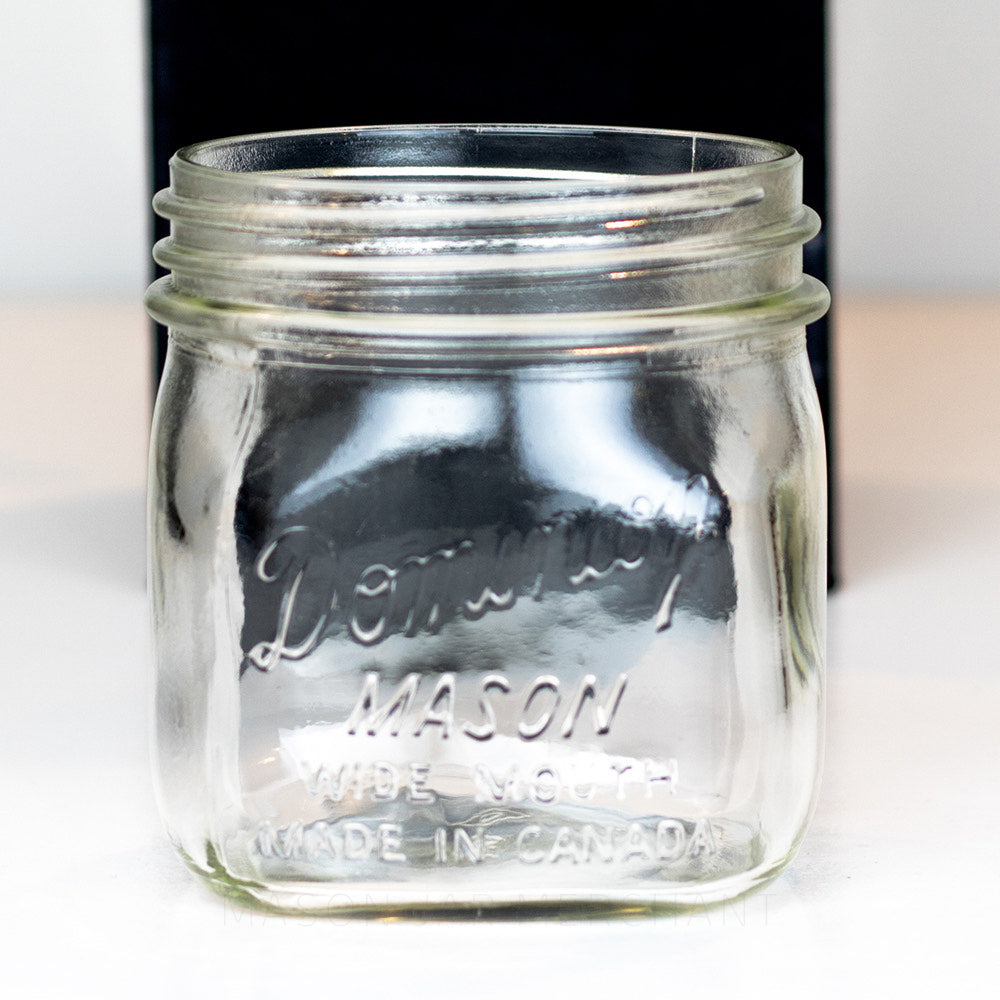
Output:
[[457, 230]]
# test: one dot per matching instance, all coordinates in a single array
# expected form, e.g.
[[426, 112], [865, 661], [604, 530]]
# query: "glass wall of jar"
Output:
[[486, 517]]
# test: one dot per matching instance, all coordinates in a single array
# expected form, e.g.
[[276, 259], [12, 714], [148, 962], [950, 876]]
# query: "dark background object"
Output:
[[227, 68]]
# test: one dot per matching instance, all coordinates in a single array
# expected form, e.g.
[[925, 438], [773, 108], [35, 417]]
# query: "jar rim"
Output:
[[231, 160]]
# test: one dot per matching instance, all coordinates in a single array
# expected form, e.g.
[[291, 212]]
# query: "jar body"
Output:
[[487, 518], [495, 636]]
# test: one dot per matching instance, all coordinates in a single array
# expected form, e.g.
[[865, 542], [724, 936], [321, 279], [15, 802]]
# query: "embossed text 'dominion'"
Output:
[[489, 570]]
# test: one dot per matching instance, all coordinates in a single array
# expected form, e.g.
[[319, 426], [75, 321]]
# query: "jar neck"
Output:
[[458, 230]]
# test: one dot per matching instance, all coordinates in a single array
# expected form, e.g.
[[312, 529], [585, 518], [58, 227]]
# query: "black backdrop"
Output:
[[227, 68]]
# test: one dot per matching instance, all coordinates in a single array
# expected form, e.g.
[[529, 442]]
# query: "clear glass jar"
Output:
[[487, 517]]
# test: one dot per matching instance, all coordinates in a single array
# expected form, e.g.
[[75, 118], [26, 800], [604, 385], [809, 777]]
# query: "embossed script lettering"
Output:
[[317, 589]]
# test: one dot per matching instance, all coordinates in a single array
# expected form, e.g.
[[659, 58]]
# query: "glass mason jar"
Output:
[[487, 517]]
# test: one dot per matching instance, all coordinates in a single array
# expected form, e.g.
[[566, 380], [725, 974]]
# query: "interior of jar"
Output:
[[512, 152]]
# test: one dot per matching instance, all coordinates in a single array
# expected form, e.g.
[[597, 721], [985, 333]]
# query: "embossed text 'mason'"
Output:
[[540, 707]]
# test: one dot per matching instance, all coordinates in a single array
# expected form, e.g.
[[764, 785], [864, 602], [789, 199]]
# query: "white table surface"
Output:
[[895, 888]]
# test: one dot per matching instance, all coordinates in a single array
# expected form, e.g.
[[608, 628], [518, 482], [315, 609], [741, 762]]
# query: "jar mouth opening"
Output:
[[503, 157]]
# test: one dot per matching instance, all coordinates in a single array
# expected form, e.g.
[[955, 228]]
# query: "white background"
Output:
[[895, 890], [915, 135]]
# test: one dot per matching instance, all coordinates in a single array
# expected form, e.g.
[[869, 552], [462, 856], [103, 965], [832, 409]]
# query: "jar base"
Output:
[[387, 901]]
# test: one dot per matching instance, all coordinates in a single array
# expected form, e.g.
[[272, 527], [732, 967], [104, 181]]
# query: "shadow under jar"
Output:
[[487, 518]]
